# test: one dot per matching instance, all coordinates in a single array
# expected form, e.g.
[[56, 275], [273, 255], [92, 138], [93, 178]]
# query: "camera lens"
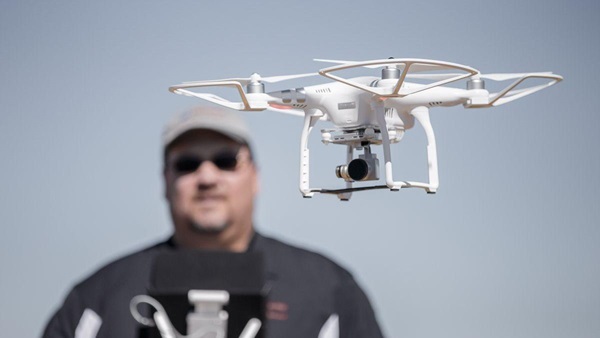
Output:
[[358, 169], [340, 171]]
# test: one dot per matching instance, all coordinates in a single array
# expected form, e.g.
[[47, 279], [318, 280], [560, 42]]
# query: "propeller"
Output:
[[254, 78], [343, 62], [274, 79], [437, 77], [441, 76], [414, 67], [493, 77], [508, 76]]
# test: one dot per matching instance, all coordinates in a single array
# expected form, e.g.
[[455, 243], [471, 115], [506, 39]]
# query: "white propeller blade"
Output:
[[273, 79], [432, 76], [415, 67], [493, 77], [343, 62], [255, 77], [509, 76], [242, 80]]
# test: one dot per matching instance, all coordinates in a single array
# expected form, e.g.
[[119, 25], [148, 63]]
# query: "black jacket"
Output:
[[305, 287]]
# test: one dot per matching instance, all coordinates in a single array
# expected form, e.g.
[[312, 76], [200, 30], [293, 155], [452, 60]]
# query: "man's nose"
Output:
[[207, 173]]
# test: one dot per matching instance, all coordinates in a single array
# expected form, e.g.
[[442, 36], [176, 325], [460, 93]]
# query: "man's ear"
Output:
[[256, 184], [165, 183]]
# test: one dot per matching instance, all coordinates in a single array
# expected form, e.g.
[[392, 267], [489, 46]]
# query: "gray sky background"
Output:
[[509, 247]]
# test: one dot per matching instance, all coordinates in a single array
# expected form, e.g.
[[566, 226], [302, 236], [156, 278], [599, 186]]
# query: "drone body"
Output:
[[369, 110]]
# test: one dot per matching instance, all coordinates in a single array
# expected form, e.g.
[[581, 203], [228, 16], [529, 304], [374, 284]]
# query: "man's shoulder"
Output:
[[271, 244], [106, 293], [286, 256], [132, 268]]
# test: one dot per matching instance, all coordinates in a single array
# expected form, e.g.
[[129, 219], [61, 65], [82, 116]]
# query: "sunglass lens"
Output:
[[187, 164], [225, 161]]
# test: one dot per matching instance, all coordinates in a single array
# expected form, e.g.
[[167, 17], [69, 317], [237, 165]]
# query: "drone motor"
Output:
[[390, 72], [475, 84], [255, 85]]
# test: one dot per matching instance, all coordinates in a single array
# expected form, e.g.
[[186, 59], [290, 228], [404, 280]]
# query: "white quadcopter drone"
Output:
[[371, 110]]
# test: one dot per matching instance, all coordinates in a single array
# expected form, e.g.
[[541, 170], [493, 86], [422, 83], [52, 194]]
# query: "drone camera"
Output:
[[363, 168]]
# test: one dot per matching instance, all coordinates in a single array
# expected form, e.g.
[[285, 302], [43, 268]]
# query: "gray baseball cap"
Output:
[[224, 121]]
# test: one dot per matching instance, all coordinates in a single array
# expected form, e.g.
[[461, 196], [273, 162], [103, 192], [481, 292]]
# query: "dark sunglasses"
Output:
[[186, 164]]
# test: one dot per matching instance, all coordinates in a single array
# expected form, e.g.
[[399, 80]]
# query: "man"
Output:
[[211, 184]]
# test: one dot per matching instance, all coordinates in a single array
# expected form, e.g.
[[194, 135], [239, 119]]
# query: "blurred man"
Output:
[[211, 184]]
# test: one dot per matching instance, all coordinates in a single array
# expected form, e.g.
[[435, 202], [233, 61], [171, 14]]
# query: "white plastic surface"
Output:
[[360, 103]]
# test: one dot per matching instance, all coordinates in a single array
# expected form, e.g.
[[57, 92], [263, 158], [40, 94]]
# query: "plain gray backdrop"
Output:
[[509, 247]]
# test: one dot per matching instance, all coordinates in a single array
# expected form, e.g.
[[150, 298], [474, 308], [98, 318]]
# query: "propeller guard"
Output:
[[244, 105], [508, 94], [407, 65]]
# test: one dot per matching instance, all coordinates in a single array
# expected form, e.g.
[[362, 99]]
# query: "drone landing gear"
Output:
[[310, 119], [363, 139], [422, 115], [369, 160]]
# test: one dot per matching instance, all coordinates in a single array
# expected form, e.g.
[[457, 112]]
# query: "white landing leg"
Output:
[[422, 115], [310, 119]]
